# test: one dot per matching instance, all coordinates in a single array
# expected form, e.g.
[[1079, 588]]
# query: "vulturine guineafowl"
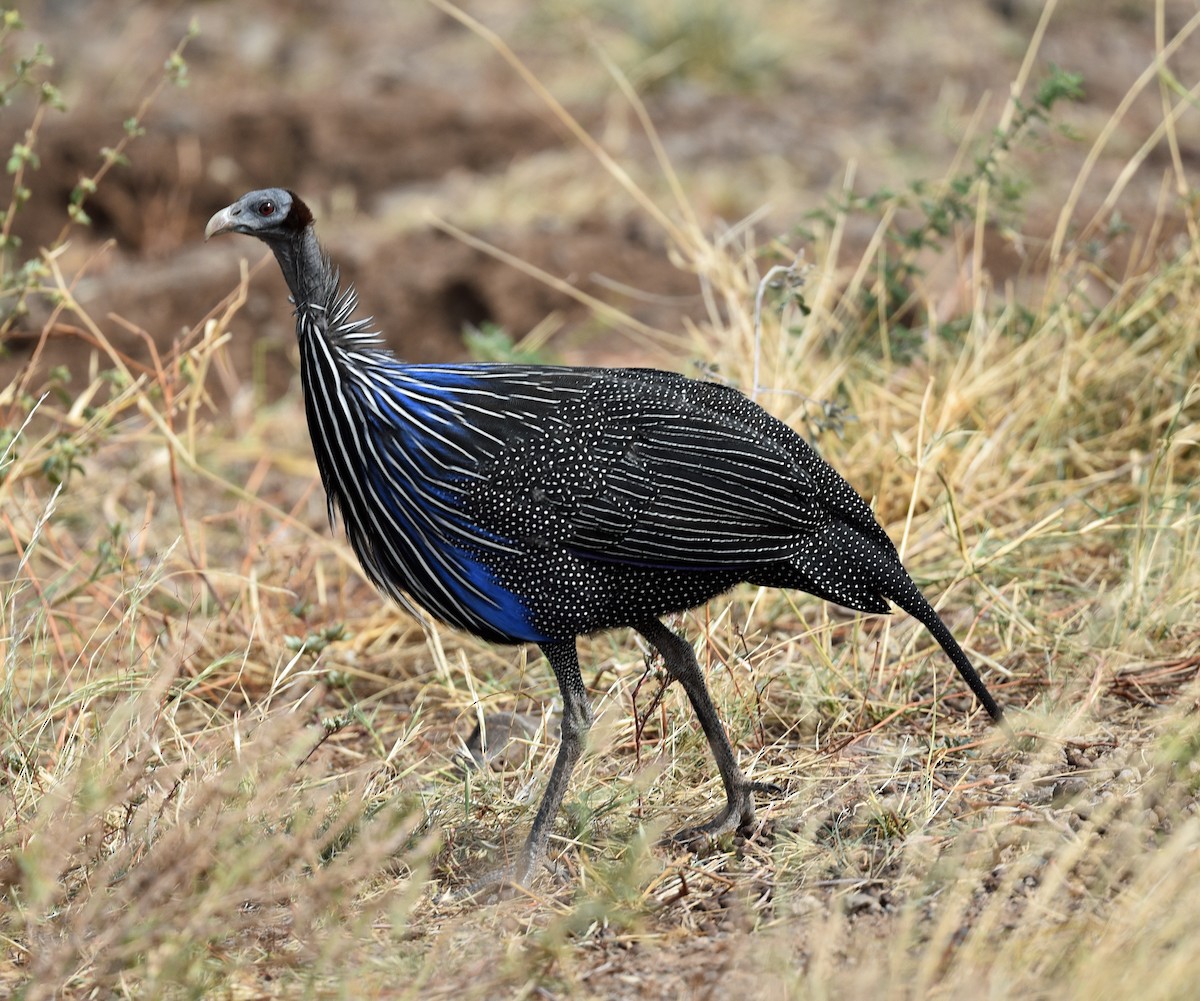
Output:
[[534, 504]]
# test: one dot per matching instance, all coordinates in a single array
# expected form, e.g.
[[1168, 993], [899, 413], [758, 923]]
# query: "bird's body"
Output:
[[533, 503], [539, 503]]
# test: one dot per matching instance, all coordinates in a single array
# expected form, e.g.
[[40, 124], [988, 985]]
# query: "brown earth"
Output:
[[372, 110]]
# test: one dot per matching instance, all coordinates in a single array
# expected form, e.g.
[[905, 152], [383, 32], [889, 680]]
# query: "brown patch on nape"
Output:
[[301, 215]]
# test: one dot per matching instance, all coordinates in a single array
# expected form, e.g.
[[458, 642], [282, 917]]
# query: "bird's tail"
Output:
[[909, 597]]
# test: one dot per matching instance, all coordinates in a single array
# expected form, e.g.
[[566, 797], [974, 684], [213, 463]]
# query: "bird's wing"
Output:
[[648, 469], [687, 488]]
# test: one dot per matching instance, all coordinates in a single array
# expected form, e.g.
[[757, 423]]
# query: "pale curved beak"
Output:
[[222, 222]]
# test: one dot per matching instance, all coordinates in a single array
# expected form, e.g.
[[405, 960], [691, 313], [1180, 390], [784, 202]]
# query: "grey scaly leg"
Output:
[[576, 721], [681, 665]]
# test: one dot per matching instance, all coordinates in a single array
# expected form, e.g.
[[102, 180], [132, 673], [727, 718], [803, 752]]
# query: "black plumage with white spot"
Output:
[[538, 503]]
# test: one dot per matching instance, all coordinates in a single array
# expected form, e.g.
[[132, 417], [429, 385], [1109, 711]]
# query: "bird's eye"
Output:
[[266, 208]]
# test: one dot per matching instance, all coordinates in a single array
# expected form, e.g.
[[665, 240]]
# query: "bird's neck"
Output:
[[305, 269]]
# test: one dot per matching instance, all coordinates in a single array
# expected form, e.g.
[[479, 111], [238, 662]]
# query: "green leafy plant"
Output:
[[922, 217], [721, 44], [490, 342]]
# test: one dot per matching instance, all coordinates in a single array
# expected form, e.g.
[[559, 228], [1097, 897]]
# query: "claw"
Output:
[[499, 884], [737, 815], [503, 883], [767, 788]]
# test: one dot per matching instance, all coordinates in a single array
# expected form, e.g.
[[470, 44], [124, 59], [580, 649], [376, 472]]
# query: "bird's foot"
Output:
[[502, 883], [738, 815]]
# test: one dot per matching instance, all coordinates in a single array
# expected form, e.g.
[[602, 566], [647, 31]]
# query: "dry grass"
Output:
[[229, 769]]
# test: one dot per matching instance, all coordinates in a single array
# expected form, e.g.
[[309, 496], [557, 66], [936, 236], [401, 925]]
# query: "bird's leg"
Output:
[[576, 721], [680, 661]]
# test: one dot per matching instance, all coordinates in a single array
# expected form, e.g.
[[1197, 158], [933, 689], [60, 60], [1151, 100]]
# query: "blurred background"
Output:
[[381, 114]]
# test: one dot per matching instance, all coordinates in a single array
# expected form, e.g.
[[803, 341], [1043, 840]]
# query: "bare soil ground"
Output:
[[391, 117], [382, 113]]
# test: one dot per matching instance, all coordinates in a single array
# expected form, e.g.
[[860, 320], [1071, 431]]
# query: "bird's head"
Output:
[[269, 214]]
